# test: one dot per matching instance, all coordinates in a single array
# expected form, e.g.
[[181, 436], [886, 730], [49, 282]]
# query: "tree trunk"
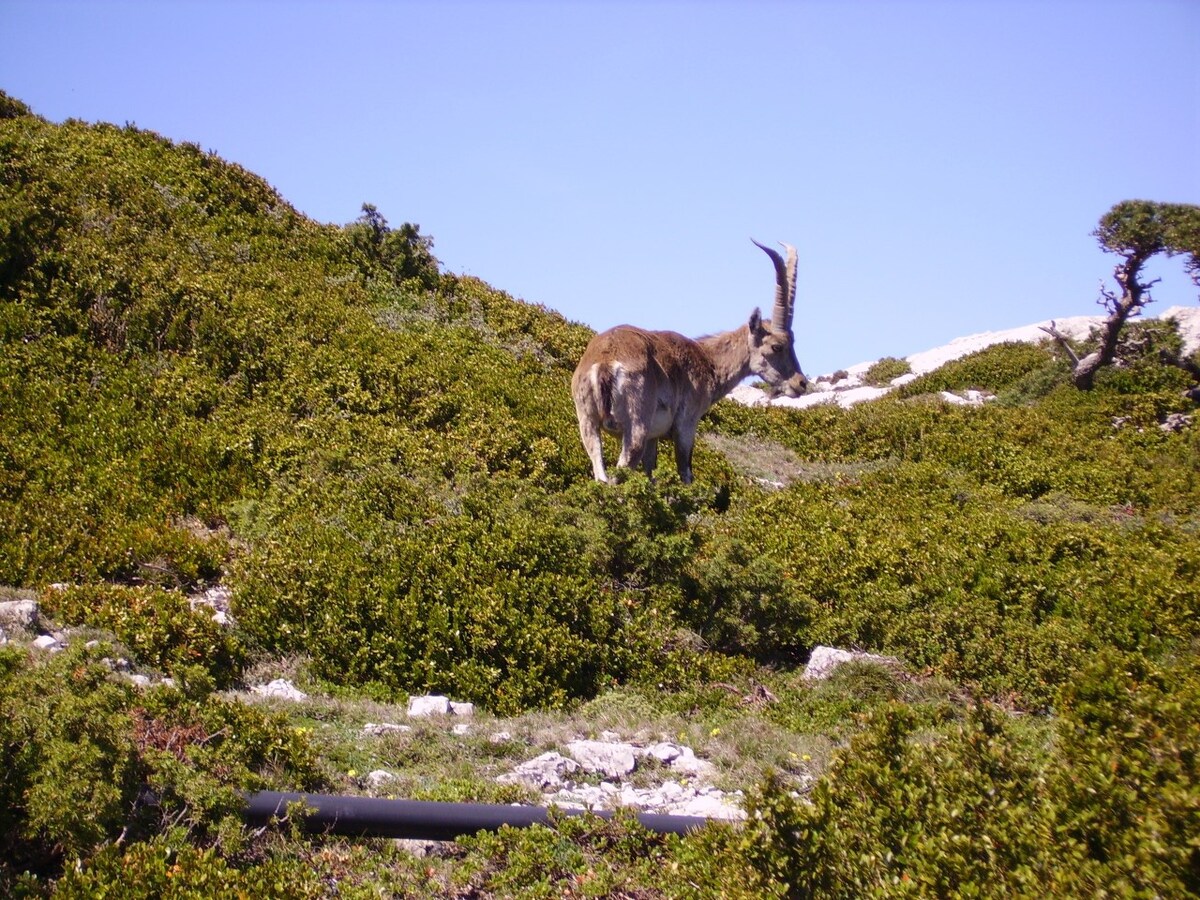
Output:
[[1120, 309]]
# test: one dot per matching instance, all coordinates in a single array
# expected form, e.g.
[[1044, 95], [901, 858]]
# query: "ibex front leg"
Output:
[[683, 455], [650, 457]]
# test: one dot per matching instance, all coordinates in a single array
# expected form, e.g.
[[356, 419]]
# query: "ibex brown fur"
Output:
[[646, 385]]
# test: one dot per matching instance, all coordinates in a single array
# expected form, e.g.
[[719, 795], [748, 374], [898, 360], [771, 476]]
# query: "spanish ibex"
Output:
[[646, 385]]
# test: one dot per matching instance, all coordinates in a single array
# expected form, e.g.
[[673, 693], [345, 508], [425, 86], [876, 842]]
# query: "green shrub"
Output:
[[993, 368], [88, 759], [514, 597], [170, 868], [575, 856], [986, 808], [895, 814], [158, 626], [884, 371], [1126, 789]]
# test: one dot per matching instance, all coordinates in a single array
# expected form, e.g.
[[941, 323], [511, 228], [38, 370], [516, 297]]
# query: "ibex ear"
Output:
[[756, 326]]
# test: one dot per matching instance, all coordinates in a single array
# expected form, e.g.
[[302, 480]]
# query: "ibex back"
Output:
[[646, 385]]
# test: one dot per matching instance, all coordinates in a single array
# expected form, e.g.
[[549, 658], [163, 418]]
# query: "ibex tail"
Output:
[[605, 380]]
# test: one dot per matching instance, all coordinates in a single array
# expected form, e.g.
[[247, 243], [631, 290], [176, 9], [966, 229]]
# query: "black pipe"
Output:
[[424, 820]]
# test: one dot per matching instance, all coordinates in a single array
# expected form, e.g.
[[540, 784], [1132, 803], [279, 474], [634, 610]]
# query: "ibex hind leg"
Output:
[[589, 433], [634, 448]]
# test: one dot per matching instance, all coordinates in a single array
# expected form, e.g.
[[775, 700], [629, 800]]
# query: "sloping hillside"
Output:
[[379, 462], [847, 387]]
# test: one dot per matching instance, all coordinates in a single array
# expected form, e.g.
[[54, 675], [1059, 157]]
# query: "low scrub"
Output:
[[885, 371]]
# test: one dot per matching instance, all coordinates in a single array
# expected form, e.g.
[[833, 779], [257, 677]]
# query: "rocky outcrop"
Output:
[[562, 780], [824, 660], [280, 689]]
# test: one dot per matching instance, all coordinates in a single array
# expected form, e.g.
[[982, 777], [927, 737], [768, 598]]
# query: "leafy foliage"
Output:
[[993, 369], [87, 759], [200, 385], [886, 370], [159, 627], [1111, 806]]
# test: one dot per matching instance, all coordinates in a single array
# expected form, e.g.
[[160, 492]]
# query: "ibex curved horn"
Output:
[[785, 284]]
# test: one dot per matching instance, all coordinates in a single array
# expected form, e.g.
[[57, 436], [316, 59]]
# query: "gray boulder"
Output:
[[280, 689], [545, 772], [610, 759], [824, 660], [429, 705], [19, 615]]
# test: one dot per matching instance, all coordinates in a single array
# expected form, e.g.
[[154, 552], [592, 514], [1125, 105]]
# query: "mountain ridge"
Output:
[[849, 389]]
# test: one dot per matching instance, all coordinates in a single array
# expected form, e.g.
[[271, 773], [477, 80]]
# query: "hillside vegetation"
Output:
[[199, 385]]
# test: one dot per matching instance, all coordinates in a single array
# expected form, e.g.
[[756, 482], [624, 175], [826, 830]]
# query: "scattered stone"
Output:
[[219, 600], [691, 766], [824, 660], [542, 773], [550, 771], [1175, 422], [3, 636], [466, 710], [419, 848], [378, 729], [19, 615], [48, 643], [967, 398], [430, 705], [462, 729], [280, 689], [670, 798], [613, 760], [378, 778], [500, 737], [142, 681], [665, 753]]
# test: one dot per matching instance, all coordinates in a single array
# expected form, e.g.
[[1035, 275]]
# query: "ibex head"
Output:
[[772, 343]]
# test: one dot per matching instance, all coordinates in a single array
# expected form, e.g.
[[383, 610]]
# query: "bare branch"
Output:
[[1061, 338]]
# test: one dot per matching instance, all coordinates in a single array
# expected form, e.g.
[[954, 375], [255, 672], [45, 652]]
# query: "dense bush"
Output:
[[886, 370], [159, 627], [198, 384], [992, 369], [1112, 806], [87, 759], [514, 596]]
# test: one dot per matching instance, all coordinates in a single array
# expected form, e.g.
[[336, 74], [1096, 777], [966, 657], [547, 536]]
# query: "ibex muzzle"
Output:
[[647, 385]]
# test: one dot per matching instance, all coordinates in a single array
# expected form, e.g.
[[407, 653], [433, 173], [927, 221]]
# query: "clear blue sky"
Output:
[[939, 165]]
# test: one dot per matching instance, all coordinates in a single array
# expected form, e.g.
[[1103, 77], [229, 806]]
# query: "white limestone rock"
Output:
[[429, 705], [613, 760], [379, 778], [280, 689], [48, 642], [543, 773], [19, 615], [824, 660]]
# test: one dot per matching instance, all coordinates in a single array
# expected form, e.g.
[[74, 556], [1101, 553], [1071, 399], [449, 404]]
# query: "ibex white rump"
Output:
[[646, 385]]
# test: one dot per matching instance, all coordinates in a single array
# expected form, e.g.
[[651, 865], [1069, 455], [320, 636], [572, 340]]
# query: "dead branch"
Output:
[[1061, 338]]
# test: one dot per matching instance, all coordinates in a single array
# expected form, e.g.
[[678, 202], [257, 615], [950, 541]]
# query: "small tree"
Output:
[[396, 254], [1136, 230]]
